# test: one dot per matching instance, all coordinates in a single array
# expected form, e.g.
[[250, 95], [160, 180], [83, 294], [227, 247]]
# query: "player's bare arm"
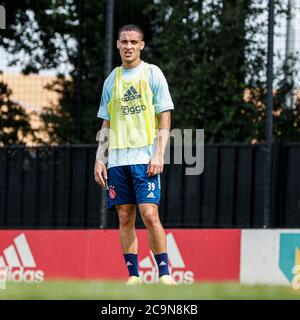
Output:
[[156, 163], [100, 170]]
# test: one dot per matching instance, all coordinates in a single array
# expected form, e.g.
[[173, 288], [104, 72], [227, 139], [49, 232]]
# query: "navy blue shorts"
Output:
[[131, 185]]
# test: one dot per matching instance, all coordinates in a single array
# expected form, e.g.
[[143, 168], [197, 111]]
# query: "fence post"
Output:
[[78, 73], [108, 67], [269, 120], [109, 36]]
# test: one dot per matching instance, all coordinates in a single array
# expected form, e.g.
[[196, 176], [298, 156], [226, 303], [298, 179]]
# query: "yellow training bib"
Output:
[[131, 110]]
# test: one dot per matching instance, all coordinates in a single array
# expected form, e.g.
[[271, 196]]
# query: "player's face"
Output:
[[130, 45]]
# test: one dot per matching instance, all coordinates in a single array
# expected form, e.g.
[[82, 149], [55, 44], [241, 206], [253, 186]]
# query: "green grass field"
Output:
[[116, 290]]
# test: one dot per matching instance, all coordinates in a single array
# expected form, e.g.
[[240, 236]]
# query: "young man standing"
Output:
[[135, 106]]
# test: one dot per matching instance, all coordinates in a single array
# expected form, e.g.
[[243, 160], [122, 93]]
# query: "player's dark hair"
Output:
[[131, 27]]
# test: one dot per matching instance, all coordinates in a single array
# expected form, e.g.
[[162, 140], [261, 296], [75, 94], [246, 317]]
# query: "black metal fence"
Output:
[[54, 187]]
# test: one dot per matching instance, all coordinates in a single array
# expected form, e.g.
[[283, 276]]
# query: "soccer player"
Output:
[[135, 106]]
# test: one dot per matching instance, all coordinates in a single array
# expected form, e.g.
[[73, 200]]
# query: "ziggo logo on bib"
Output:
[[132, 110]]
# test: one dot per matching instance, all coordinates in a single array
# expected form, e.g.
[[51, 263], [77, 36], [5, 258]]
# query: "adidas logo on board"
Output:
[[148, 268], [17, 263]]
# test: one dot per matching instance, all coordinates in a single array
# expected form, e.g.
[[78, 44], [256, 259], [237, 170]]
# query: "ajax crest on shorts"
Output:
[[112, 192]]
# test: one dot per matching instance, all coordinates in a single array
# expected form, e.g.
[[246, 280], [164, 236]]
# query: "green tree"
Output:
[[59, 39], [215, 62], [202, 49], [208, 50]]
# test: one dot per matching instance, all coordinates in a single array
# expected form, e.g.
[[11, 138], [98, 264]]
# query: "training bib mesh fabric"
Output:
[[131, 110]]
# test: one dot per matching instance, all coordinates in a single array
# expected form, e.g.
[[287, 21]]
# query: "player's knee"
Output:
[[126, 220], [151, 218]]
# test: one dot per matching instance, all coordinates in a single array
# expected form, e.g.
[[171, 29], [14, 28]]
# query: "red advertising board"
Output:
[[194, 255]]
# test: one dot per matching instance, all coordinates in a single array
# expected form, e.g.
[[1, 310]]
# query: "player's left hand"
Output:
[[155, 165]]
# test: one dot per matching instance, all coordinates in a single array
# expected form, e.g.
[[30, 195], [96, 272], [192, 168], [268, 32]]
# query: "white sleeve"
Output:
[[161, 95], [106, 96]]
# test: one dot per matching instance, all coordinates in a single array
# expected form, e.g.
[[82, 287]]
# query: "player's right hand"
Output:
[[100, 173]]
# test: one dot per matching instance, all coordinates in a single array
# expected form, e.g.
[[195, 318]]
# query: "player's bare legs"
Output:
[[156, 233], [127, 217], [129, 242], [157, 240]]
